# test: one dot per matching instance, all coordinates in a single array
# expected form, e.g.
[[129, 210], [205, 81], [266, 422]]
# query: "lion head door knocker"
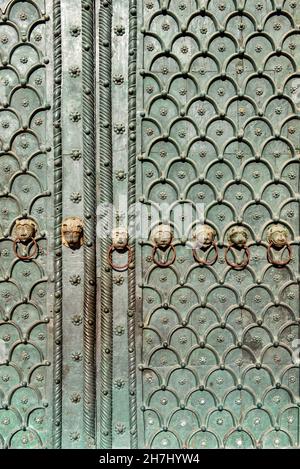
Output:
[[204, 240], [72, 233], [25, 245], [163, 253], [277, 237], [121, 246], [237, 239]]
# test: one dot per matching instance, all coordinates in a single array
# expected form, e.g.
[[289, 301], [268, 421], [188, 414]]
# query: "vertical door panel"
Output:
[[217, 103], [26, 190]]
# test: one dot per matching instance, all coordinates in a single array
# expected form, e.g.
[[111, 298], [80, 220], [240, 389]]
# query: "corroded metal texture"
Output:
[[106, 198], [184, 113], [26, 184], [219, 127], [57, 139], [89, 158], [132, 304]]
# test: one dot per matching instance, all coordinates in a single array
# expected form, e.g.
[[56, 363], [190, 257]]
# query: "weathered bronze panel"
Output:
[[218, 110], [149, 224]]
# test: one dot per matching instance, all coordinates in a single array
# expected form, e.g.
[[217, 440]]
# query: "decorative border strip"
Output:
[[89, 164], [131, 218], [57, 326], [106, 199]]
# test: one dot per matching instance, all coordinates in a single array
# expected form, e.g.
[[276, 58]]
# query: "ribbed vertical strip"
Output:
[[89, 165], [106, 199], [57, 334], [131, 216]]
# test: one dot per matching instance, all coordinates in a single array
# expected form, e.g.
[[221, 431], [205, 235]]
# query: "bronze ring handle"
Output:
[[279, 263], [167, 263], [202, 261], [233, 264], [119, 268], [25, 258]]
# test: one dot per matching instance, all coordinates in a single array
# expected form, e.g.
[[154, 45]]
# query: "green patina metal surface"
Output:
[[26, 185], [187, 112], [220, 126]]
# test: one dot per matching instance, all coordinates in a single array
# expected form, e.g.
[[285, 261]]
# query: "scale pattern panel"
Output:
[[220, 130], [25, 160]]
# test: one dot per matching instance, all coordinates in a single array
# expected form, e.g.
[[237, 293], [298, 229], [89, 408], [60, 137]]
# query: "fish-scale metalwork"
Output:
[[25, 159], [220, 127]]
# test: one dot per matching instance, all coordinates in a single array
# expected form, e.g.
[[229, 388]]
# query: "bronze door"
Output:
[[149, 224]]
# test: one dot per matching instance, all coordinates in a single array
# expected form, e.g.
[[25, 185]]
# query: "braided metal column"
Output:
[[57, 378], [89, 415], [106, 198], [131, 218]]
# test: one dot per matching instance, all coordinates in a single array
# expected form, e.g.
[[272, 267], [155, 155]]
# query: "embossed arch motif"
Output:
[[25, 159], [220, 126]]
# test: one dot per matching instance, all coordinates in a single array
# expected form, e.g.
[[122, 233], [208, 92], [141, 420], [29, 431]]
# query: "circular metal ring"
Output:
[[167, 263], [120, 268], [279, 263], [28, 257], [202, 261], [235, 265]]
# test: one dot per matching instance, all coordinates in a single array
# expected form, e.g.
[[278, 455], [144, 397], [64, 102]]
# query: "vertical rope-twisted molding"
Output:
[[131, 218], [89, 164], [106, 199], [57, 334]]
